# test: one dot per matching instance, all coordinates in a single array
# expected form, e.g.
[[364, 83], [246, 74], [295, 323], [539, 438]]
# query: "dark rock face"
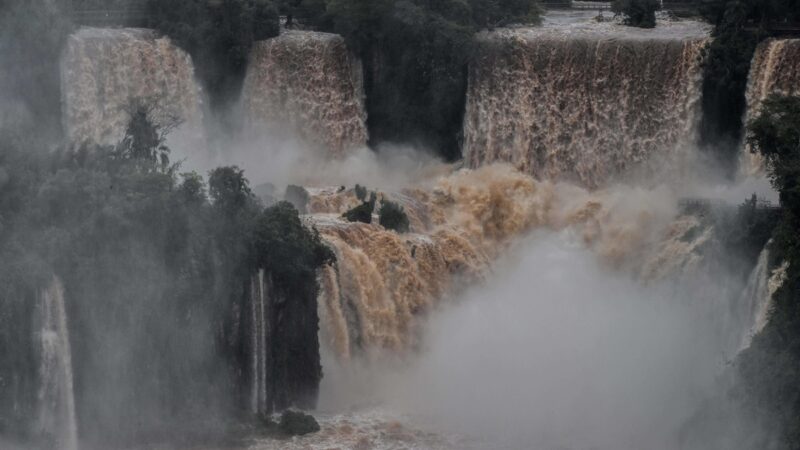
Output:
[[297, 196], [285, 360], [19, 378], [296, 423]]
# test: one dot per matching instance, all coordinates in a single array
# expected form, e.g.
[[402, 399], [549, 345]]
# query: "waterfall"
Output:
[[57, 418], [584, 105], [775, 69], [374, 300], [306, 83], [104, 70], [756, 299], [260, 334]]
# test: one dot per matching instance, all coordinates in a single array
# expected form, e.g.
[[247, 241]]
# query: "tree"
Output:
[[363, 212], [145, 139], [311, 10], [192, 190], [393, 217], [286, 248], [637, 13], [229, 189], [775, 134]]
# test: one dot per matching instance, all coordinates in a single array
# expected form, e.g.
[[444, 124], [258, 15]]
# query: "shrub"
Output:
[[286, 248], [393, 217], [296, 423], [637, 13], [362, 212], [228, 188]]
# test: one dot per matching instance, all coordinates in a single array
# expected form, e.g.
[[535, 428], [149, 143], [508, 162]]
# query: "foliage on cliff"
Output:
[[637, 13], [768, 370], [156, 267], [286, 249]]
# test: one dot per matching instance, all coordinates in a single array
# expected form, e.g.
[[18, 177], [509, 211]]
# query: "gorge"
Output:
[[568, 284]]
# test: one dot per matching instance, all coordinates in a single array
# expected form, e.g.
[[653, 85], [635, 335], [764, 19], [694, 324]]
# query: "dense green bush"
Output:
[[286, 248], [362, 212], [637, 13], [393, 217], [775, 134], [297, 423]]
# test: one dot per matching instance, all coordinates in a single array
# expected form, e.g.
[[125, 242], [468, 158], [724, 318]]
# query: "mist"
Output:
[[556, 351], [278, 159], [550, 291]]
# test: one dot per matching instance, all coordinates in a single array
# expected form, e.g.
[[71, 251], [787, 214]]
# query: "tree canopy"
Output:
[[637, 13]]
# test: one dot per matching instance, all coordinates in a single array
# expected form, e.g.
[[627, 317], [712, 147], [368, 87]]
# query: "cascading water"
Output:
[[775, 69], [308, 83], [104, 70], [57, 420], [374, 298], [260, 332], [283, 346], [584, 104], [560, 104], [756, 299]]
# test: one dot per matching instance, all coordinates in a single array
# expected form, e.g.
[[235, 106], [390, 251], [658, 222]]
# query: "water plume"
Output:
[[556, 351], [375, 298]]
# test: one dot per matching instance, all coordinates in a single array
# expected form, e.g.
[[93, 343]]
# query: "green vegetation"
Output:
[[285, 248], [393, 217], [637, 13], [362, 212], [156, 275], [775, 134], [296, 423], [768, 370]]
